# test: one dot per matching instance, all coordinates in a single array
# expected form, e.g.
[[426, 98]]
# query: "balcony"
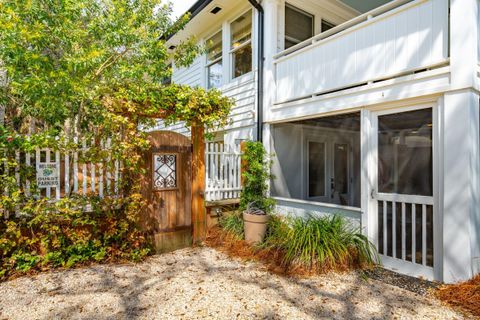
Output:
[[402, 37]]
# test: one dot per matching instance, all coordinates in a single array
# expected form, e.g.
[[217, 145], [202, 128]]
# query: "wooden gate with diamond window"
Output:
[[167, 188]]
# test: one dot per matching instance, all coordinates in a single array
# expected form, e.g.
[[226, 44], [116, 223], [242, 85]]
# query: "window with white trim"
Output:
[[327, 25], [298, 26], [241, 45], [214, 61]]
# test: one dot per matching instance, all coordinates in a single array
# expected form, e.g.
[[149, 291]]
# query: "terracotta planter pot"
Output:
[[255, 227]]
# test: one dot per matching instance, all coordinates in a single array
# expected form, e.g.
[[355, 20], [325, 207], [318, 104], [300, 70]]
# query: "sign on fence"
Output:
[[47, 175]]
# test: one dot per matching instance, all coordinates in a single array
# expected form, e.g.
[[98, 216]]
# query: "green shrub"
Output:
[[256, 174], [328, 242], [232, 224], [62, 234]]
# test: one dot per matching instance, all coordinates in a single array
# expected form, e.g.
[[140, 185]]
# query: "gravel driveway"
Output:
[[202, 283]]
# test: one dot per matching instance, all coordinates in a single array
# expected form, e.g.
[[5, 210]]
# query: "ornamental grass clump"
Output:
[[320, 243], [233, 225]]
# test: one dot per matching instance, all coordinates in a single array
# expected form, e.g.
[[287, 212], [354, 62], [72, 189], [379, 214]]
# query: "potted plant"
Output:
[[254, 200]]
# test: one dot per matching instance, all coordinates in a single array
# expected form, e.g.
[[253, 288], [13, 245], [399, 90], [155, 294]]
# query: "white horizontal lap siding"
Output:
[[178, 127], [190, 76], [408, 38], [243, 92]]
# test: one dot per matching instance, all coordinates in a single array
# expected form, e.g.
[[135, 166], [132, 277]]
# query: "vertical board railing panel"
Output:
[[223, 172], [413, 217], [407, 38], [67, 167]]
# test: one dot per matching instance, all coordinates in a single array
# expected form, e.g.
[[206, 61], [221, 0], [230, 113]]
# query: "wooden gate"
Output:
[[167, 187]]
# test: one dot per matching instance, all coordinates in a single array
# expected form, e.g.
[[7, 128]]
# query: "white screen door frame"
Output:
[[394, 216]]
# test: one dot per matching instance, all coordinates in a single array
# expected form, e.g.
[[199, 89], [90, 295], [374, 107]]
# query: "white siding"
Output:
[[411, 37], [243, 90], [191, 76]]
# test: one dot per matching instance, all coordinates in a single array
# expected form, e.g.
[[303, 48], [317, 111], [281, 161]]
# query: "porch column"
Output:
[[271, 8], [367, 177], [460, 161], [461, 211]]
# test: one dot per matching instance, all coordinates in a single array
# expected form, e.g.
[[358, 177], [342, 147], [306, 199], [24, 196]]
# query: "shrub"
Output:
[[62, 234], [320, 242], [256, 174]]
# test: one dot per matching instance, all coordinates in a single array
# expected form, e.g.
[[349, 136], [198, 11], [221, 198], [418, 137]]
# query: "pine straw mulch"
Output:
[[270, 258], [464, 296]]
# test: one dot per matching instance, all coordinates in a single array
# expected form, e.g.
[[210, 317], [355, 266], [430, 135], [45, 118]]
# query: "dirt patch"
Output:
[[203, 283], [465, 295]]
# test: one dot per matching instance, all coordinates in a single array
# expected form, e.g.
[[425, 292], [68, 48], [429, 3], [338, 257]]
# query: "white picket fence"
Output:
[[223, 172], [71, 175]]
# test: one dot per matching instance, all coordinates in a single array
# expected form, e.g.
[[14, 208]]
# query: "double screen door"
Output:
[[329, 170], [402, 197]]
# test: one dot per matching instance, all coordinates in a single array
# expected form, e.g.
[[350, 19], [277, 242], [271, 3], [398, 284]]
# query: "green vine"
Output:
[[256, 174]]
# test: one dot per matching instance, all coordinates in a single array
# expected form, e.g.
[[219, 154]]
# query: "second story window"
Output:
[[327, 25], [298, 26], [214, 61], [241, 45]]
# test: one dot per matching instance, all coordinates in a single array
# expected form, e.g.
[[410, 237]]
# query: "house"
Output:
[[371, 109]]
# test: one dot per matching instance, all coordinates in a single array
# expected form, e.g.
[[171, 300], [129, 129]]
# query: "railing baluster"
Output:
[[48, 161], [414, 221], [424, 235], [57, 166], [404, 233], [385, 228], [109, 159], [27, 181], [100, 173], [67, 173], [394, 229], [92, 171], [84, 166]]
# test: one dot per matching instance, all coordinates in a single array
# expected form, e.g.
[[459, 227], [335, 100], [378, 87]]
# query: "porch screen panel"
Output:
[[316, 169], [318, 160], [405, 158]]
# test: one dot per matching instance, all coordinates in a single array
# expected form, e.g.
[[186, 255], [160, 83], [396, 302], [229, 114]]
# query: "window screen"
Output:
[[214, 47], [327, 25], [298, 26], [241, 45], [241, 30], [405, 155], [215, 63]]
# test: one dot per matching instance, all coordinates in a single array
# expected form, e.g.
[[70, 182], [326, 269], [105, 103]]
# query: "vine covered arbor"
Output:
[[88, 73]]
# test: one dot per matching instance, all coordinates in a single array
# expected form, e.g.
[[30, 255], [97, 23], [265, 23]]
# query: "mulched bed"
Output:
[[465, 295], [235, 248], [416, 285]]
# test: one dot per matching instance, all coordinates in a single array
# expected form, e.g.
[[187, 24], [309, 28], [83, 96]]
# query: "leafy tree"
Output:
[[93, 68], [69, 59]]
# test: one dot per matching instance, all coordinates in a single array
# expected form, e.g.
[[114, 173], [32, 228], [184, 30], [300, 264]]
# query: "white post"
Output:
[[460, 119], [464, 43], [272, 9], [366, 180], [460, 199]]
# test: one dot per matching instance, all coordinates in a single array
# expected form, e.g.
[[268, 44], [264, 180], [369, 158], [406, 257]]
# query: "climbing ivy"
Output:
[[256, 175]]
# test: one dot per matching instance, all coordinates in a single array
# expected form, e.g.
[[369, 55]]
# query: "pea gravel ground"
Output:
[[202, 283]]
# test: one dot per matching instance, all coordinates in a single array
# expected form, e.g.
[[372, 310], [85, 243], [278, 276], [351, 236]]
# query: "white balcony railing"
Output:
[[399, 37]]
